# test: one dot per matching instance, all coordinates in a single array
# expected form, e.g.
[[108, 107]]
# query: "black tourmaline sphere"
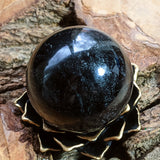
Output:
[[79, 79]]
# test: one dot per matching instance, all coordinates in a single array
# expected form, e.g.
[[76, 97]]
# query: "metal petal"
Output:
[[47, 143], [31, 116], [136, 94], [127, 109], [95, 149], [91, 136], [46, 127], [114, 131], [135, 71], [20, 102], [69, 141], [132, 121]]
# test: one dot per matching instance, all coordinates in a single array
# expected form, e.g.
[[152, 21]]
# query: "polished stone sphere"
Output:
[[78, 79]]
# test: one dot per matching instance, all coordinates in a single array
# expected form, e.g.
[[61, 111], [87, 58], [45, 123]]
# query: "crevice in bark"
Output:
[[71, 19], [11, 88], [156, 102], [150, 150], [118, 150]]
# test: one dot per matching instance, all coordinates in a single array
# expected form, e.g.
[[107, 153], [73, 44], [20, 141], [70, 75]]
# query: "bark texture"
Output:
[[134, 25]]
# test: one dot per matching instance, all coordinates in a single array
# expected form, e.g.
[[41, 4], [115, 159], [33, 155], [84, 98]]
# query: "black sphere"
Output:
[[78, 79]]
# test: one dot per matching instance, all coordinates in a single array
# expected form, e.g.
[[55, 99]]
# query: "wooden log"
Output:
[[134, 25], [12, 8]]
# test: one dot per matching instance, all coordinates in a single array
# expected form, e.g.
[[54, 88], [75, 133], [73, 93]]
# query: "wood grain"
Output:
[[11, 8], [134, 25]]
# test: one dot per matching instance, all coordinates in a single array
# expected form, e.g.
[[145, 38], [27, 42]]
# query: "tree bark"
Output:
[[134, 25]]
